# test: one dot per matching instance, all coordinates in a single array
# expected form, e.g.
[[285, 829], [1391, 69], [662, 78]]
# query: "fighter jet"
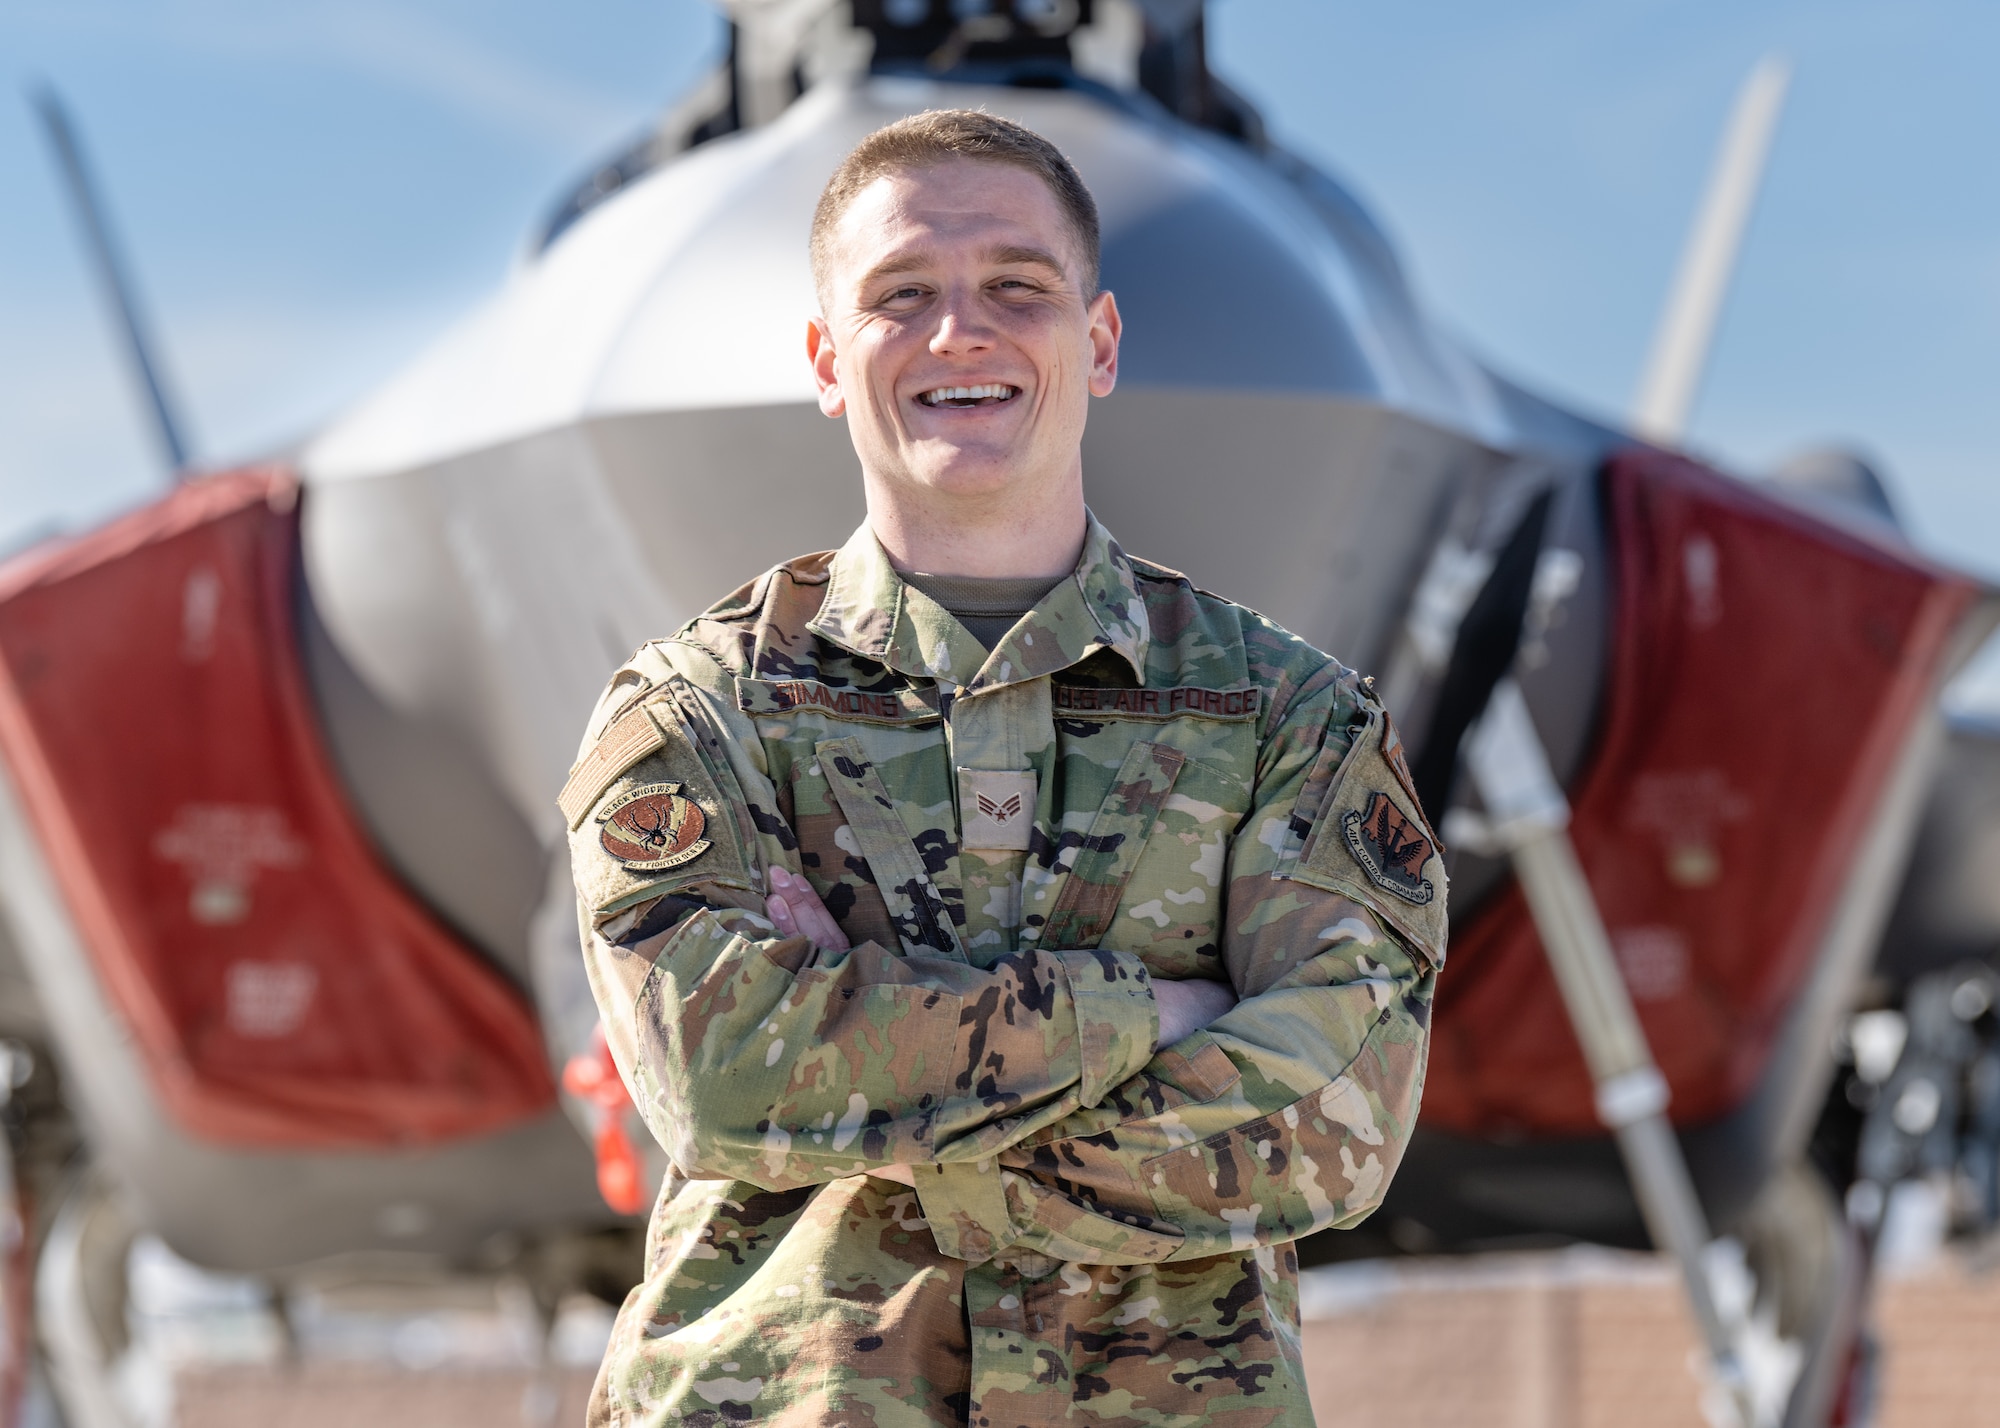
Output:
[[288, 924]]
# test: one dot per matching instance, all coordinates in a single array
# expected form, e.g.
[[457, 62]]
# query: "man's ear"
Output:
[[1105, 330], [826, 374]]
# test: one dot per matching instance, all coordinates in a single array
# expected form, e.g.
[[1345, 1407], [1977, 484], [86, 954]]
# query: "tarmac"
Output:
[[1590, 1339], [1573, 1339]]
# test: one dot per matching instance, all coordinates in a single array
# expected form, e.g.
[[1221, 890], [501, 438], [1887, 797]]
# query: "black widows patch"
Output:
[[1391, 848], [654, 827]]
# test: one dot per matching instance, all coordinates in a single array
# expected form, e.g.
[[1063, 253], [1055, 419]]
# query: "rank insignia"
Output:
[[996, 808], [654, 826], [1390, 847]]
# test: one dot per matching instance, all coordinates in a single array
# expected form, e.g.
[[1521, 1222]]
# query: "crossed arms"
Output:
[[1060, 1100]]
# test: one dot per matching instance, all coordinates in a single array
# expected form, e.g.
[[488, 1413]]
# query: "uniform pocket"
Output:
[[1172, 907], [1199, 1067], [1093, 885], [916, 906]]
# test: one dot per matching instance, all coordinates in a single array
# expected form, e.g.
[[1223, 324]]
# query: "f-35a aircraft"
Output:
[[288, 934]]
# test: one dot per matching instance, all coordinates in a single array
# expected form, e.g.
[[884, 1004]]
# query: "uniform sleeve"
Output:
[[761, 1058], [1290, 1113]]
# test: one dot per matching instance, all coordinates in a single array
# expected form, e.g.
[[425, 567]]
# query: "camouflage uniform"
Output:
[[1140, 780]]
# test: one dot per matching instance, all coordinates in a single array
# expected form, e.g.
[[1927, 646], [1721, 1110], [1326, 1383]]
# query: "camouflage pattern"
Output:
[[1101, 1229]]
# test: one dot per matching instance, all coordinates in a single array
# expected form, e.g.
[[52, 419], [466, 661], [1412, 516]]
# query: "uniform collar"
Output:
[[870, 610]]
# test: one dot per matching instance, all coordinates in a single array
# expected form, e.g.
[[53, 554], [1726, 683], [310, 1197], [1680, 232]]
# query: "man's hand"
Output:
[[1187, 1007], [797, 910]]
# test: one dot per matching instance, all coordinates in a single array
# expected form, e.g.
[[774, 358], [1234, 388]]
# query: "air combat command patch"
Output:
[[1391, 849], [1369, 840]]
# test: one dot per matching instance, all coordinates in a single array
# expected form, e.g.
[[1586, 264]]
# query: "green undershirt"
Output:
[[987, 607]]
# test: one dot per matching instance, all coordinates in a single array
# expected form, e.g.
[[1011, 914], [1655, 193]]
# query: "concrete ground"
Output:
[[370, 1396], [1602, 1341], [1583, 1340]]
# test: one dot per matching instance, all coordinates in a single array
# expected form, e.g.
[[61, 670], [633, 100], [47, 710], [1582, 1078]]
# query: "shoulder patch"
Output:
[[625, 740], [1371, 842], [1390, 848], [652, 827], [657, 816]]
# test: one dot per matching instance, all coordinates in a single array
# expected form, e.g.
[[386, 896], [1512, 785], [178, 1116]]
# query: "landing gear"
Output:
[[130, 1333], [80, 1302], [1807, 1319]]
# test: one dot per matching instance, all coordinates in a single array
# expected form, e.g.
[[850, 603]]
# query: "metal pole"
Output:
[[1530, 818], [112, 275]]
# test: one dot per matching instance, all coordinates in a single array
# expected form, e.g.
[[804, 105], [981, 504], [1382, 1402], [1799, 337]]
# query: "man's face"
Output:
[[958, 339]]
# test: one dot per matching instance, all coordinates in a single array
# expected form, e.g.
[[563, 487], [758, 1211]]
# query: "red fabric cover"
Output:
[[1765, 671], [282, 986]]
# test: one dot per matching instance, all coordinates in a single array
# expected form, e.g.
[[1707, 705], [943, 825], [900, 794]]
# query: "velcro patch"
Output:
[[625, 741], [782, 696], [1370, 842], [1155, 703], [1390, 848], [652, 827], [663, 821], [996, 808]]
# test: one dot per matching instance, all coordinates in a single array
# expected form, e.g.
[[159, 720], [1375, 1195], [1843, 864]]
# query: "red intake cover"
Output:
[[283, 988], [1766, 670]]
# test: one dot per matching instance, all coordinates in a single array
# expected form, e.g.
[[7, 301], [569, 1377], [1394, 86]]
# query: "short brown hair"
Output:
[[937, 136]]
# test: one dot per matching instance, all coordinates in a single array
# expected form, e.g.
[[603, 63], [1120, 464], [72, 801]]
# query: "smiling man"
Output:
[[1014, 947]]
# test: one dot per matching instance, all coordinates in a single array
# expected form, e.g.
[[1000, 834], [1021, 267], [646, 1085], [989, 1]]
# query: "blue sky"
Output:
[[310, 191]]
